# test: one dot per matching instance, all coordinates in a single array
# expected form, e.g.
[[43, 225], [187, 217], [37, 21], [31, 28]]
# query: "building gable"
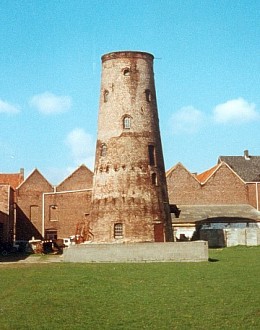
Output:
[[224, 186], [247, 167], [81, 178], [35, 182], [13, 179], [182, 185]]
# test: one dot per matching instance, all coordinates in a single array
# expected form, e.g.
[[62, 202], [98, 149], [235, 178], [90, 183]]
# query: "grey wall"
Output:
[[138, 252]]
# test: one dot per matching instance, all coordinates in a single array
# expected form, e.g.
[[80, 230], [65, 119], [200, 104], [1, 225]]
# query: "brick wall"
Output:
[[6, 213], [29, 206], [222, 187], [254, 194], [62, 210], [183, 188], [80, 179]]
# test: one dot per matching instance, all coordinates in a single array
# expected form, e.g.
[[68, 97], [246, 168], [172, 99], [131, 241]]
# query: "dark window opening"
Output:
[[126, 72], [154, 179], [103, 152], [106, 92], [118, 230], [51, 234], [151, 151], [148, 95]]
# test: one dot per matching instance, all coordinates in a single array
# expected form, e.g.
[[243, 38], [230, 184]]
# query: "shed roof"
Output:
[[194, 213]]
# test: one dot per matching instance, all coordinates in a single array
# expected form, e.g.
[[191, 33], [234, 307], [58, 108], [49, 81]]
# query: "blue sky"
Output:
[[207, 75]]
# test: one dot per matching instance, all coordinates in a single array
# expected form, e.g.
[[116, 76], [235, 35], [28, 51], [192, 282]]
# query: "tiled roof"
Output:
[[202, 177], [14, 179], [248, 168], [194, 213]]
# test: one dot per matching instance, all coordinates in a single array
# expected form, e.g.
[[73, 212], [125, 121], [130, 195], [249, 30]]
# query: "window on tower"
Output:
[[154, 179], [106, 92], [118, 230], [126, 71], [148, 95], [151, 152], [127, 122], [103, 152]]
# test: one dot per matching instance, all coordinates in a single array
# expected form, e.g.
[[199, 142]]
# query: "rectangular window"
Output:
[[127, 122], [118, 230], [151, 151], [51, 234], [53, 213]]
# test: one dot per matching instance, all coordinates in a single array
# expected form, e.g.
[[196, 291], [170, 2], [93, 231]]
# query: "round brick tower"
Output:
[[130, 199]]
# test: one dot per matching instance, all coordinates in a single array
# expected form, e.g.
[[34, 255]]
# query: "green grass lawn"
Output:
[[221, 294]]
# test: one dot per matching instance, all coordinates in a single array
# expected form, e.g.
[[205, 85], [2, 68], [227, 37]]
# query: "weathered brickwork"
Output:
[[224, 187], [129, 177], [183, 187], [82, 178]]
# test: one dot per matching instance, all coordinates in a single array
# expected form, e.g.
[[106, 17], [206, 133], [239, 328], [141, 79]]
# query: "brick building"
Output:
[[223, 197], [46, 211], [8, 184]]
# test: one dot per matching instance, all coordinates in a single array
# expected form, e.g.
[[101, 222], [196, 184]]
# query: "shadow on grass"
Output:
[[213, 260], [13, 257]]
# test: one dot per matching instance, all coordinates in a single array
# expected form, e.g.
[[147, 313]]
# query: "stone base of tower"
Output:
[[138, 252]]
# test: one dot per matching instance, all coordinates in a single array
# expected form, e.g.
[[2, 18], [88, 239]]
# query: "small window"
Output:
[[126, 72], [53, 213], [103, 152], [51, 234], [148, 95], [106, 92], [127, 122], [154, 179], [151, 151], [118, 230]]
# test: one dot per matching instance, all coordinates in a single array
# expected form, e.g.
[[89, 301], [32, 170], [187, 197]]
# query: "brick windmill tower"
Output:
[[130, 199]]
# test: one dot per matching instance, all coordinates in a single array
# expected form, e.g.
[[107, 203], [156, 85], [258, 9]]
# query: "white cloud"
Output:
[[82, 147], [48, 103], [6, 107], [187, 120], [235, 111]]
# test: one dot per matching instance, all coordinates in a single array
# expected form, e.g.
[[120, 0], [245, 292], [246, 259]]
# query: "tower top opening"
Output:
[[127, 54]]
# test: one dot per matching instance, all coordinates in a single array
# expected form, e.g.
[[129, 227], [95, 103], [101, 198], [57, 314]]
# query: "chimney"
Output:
[[22, 173], [246, 155]]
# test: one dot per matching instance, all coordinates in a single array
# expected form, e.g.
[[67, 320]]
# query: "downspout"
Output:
[[257, 195], [8, 212]]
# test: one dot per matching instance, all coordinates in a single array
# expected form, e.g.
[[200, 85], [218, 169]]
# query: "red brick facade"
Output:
[[221, 186], [64, 207]]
